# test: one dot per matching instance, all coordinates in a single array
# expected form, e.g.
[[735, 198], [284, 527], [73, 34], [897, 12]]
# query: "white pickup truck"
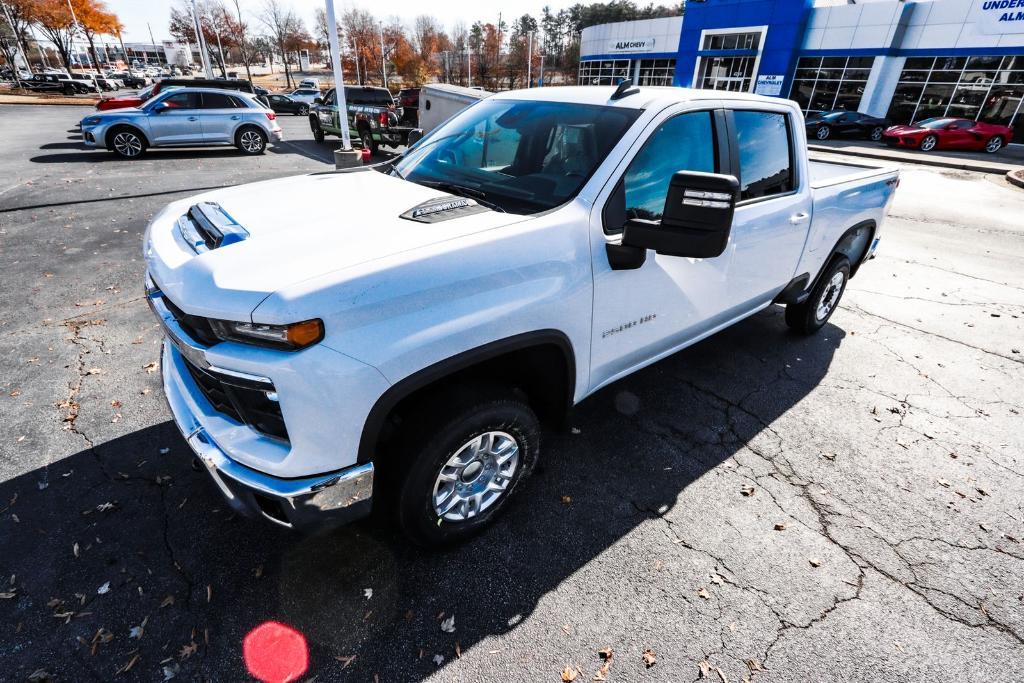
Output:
[[401, 346]]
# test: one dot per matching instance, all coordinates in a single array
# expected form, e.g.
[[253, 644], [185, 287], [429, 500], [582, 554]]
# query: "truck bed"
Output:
[[828, 173]]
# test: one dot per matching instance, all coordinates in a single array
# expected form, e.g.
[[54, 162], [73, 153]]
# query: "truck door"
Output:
[[644, 313], [328, 111]]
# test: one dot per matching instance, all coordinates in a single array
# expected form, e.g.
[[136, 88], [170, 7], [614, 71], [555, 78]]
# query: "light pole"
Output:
[[339, 77], [201, 39], [383, 61], [15, 69], [529, 61]]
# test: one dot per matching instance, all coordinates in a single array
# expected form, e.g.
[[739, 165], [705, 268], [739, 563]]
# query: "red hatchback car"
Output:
[[949, 133]]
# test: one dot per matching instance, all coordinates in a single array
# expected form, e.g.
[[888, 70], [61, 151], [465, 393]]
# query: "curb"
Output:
[[8, 98], [1015, 178], [966, 165]]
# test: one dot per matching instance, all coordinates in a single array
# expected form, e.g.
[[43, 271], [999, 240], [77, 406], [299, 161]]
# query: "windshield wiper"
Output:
[[462, 191]]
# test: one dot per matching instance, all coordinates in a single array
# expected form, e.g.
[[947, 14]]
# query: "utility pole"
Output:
[[203, 54], [469, 65], [127, 64], [71, 37], [383, 61], [220, 51], [153, 41], [540, 83], [529, 61]]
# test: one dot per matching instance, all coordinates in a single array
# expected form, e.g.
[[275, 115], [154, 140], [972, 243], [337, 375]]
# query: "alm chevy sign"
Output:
[[999, 16], [631, 45]]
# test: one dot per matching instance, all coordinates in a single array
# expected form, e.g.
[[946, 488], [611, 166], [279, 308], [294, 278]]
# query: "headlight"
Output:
[[288, 337], [91, 121]]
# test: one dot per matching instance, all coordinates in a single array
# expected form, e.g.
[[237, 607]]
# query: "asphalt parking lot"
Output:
[[847, 507]]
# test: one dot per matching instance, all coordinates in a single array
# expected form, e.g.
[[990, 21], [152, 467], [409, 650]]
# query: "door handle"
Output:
[[799, 217], [193, 118], [235, 117]]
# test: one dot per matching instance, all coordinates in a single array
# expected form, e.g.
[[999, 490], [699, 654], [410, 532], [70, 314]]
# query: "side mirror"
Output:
[[415, 135], [161, 107], [318, 100], [696, 221]]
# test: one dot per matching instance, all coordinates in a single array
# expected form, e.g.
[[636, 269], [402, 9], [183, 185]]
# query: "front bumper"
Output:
[[309, 504]]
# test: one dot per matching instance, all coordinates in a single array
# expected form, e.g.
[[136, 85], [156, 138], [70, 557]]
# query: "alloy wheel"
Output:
[[929, 143], [476, 476], [876, 133], [128, 144], [994, 145], [251, 141], [823, 133]]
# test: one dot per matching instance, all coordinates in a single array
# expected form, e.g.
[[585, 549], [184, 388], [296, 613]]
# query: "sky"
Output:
[[135, 14]]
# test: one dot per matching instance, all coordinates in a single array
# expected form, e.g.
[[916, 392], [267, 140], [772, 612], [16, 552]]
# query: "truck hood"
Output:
[[299, 228]]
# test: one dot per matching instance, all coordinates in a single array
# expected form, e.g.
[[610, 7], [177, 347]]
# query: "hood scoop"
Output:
[[443, 209], [207, 226]]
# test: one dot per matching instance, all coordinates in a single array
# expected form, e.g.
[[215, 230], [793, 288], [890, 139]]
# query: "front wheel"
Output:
[[876, 133], [929, 143], [251, 141], [823, 133], [127, 144], [811, 315], [994, 145], [467, 467], [318, 132]]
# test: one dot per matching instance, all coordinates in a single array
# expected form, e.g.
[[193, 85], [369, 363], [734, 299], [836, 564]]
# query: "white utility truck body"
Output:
[[538, 246]]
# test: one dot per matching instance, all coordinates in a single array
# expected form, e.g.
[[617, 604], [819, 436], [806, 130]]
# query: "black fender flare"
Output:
[[432, 374], [837, 249]]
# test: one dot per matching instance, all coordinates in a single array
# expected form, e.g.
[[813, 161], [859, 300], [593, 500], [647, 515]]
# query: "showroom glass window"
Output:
[[604, 71], [766, 153], [682, 143], [734, 72], [830, 83], [656, 71], [983, 87]]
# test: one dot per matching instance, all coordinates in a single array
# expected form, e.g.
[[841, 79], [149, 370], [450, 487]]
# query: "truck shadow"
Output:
[[145, 521]]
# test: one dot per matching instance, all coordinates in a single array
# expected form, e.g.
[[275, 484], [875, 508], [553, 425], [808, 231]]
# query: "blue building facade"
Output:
[[904, 60]]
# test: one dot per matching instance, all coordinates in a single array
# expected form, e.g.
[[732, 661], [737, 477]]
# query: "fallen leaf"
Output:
[[93, 371], [780, 527], [458, 650], [716, 579], [448, 625], [754, 665], [209, 592], [367, 593], [747, 490], [131, 662], [943, 482], [650, 658], [151, 367], [438, 660], [721, 674], [187, 651], [168, 601], [569, 674], [815, 562], [606, 653], [345, 661], [104, 589], [703, 593], [566, 500], [704, 667]]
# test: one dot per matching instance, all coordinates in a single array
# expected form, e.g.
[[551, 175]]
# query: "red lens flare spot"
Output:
[[275, 653]]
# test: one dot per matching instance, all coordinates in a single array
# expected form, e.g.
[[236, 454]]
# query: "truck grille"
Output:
[[240, 401]]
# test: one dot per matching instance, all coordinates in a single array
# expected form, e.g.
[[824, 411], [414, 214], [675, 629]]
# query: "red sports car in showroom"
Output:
[[949, 133]]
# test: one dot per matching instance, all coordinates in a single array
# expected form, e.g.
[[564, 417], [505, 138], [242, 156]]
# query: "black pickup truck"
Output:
[[54, 83], [373, 118]]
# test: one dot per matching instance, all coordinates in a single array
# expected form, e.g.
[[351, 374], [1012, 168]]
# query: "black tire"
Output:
[[811, 315], [876, 133], [303, 110], [318, 132], [368, 143], [994, 144], [823, 133], [251, 140], [126, 142], [68, 89], [928, 143], [427, 447]]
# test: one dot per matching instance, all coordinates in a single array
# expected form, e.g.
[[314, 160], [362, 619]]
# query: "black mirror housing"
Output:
[[318, 100], [696, 221], [415, 135]]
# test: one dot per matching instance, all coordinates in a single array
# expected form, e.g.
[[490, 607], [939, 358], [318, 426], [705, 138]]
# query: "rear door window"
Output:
[[216, 100], [765, 152]]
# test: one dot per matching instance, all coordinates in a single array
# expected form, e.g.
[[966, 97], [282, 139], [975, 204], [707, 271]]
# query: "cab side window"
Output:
[[766, 154], [682, 143]]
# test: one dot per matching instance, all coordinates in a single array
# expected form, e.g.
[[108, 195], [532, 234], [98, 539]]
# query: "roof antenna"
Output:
[[625, 89]]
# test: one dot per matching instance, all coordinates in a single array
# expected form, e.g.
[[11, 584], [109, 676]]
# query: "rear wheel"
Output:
[[823, 133], [127, 143], [367, 139], [69, 89], [994, 145], [928, 143], [876, 133], [811, 315], [303, 110], [251, 140], [463, 464]]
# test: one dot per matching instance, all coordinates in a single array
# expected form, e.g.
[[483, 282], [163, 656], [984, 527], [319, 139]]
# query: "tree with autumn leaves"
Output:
[[56, 21]]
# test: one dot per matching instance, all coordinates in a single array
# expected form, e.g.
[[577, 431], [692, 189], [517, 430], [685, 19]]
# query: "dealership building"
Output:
[[904, 60]]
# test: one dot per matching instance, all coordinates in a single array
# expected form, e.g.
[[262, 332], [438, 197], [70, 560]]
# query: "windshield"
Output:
[[520, 156], [933, 124]]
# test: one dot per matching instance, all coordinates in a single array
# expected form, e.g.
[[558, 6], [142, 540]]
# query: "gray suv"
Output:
[[184, 117]]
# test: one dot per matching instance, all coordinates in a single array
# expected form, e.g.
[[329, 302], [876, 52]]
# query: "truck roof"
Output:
[[645, 98]]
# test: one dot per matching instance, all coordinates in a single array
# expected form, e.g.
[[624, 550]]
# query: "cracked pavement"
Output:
[[847, 507]]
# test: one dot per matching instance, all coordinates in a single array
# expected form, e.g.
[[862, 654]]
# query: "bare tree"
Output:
[[245, 47], [284, 25]]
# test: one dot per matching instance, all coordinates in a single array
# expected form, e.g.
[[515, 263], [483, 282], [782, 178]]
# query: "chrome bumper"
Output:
[[310, 503]]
